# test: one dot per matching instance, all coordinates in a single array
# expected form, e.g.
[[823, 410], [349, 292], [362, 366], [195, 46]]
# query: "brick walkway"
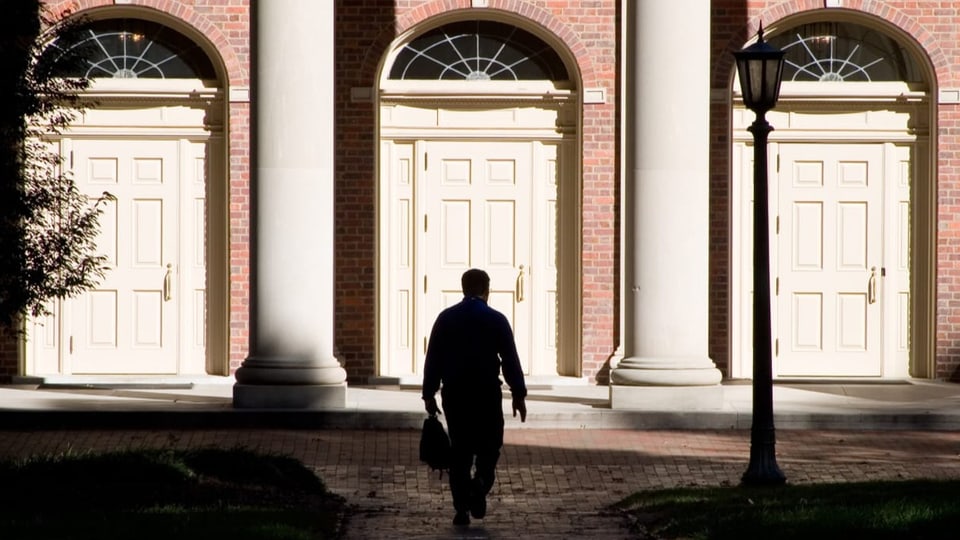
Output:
[[551, 484]]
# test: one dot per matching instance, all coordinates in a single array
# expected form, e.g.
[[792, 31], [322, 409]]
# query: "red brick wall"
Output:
[[361, 27], [365, 28], [948, 244], [365, 31], [239, 216], [934, 26]]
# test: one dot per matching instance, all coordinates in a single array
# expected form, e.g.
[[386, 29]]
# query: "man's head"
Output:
[[475, 282]]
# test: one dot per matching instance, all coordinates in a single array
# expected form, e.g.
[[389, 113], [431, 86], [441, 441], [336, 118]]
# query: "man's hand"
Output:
[[431, 405], [519, 405]]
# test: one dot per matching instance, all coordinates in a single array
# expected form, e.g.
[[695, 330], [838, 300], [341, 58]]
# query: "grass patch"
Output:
[[162, 494], [914, 509]]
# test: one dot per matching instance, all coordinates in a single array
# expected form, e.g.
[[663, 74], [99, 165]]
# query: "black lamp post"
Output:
[[760, 67]]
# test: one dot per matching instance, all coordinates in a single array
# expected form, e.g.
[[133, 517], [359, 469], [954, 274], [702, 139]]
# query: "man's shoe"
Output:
[[461, 519], [478, 502], [478, 507]]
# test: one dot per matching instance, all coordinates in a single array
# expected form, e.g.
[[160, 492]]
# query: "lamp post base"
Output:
[[763, 469]]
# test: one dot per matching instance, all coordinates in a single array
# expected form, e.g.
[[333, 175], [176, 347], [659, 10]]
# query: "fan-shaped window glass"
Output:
[[478, 50], [136, 49], [837, 51]]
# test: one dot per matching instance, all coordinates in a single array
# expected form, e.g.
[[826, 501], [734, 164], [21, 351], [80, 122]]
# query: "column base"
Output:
[[279, 370], [617, 357], [677, 371], [313, 397]]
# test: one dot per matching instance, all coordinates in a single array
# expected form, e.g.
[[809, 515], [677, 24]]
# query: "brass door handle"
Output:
[[519, 292], [168, 284], [872, 286]]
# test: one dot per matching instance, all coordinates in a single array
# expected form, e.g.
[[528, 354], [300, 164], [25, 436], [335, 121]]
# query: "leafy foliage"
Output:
[[48, 228], [161, 494]]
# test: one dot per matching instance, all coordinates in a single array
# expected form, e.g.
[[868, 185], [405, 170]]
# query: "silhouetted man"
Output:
[[469, 344]]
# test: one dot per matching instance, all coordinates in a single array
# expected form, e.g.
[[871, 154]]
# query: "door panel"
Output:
[[43, 342], [480, 194], [895, 285], [130, 323], [447, 206], [829, 260], [400, 221], [544, 340]]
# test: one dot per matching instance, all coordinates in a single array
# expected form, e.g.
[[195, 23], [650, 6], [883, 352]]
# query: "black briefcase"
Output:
[[435, 445]]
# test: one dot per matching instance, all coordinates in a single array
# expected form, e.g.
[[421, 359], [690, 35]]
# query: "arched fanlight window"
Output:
[[136, 49], [478, 51], [847, 52]]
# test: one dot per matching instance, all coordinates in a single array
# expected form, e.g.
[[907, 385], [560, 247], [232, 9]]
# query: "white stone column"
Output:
[[291, 362], [666, 191]]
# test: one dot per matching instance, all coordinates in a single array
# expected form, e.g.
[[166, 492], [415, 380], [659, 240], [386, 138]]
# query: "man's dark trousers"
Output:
[[475, 426]]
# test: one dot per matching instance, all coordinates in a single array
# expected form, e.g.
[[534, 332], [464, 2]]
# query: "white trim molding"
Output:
[[949, 95], [361, 94], [594, 96], [239, 94]]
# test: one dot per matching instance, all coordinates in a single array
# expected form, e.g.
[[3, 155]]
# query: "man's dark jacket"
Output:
[[469, 344]]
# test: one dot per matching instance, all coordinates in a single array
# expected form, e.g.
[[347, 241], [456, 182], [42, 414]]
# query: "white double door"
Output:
[[147, 316], [841, 260], [455, 205]]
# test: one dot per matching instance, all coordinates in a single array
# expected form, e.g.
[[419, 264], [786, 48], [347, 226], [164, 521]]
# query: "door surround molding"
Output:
[[519, 116], [176, 109], [877, 113]]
